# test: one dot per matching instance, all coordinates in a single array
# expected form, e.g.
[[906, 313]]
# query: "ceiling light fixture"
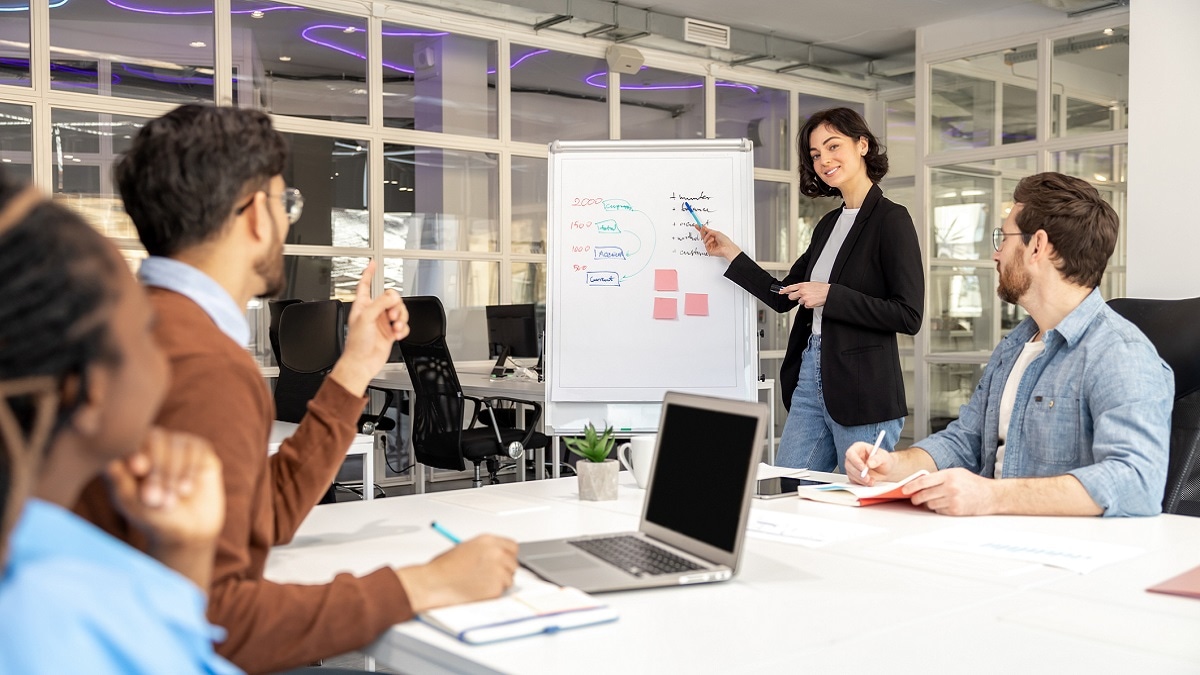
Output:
[[285, 58], [197, 44], [257, 14]]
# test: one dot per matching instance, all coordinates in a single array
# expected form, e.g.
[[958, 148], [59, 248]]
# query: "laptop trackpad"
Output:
[[562, 563]]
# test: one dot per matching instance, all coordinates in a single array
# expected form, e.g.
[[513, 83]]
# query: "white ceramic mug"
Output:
[[636, 456]]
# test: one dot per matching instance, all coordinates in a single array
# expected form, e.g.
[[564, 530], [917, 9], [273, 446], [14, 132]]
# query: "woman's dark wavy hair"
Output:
[[848, 123], [56, 281], [185, 171]]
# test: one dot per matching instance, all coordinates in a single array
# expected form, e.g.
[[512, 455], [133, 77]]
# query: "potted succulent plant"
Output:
[[597, 473]]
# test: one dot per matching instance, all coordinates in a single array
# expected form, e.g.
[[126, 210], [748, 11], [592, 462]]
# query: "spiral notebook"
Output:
[[531, 607]]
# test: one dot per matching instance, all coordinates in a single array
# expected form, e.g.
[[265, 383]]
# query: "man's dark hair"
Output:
[[187, 170], [1081, 226], [850, 124]]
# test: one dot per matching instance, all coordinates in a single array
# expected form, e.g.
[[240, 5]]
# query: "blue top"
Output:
[[1096, 404], [73, 599], [201, 289]]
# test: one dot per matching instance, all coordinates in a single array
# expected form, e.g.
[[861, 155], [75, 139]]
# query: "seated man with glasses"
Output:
[[1073, 413]]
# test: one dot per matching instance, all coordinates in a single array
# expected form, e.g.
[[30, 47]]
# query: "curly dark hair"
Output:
[[848, 123], [56, 278], [1078, 222], [186, 170]]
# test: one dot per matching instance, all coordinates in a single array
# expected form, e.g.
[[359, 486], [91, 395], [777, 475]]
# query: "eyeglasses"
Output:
[[293, 203], [998, 236]]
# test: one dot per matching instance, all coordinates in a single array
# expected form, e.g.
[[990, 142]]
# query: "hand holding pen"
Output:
[[715, 242], [476, 569], [858, 461]]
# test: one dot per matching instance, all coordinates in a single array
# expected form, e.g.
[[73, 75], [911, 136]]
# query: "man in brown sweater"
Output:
[[204, 188]]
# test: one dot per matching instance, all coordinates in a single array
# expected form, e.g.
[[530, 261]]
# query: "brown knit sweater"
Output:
[[217, 393]]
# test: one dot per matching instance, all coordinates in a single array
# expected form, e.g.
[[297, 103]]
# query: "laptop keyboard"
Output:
[[635, 555]]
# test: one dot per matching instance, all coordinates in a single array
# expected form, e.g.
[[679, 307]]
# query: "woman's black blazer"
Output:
[[877, 289]]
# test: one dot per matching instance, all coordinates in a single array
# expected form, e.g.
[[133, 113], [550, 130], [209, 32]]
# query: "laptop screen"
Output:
[[700, 473]]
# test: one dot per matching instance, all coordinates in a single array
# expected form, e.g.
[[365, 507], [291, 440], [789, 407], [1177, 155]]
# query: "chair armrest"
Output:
[[389, 399], [490, 401]]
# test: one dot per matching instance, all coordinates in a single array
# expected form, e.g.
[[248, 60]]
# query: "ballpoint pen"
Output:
[[444, 532], [878, 440], [695, 217]]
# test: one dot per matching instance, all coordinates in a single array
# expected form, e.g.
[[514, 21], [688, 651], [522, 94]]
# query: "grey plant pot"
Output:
[[597, 480]]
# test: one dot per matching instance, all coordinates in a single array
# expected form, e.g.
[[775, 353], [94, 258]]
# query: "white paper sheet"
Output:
[[1076, 555], [792, 528]]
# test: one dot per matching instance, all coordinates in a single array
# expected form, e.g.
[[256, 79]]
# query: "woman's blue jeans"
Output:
[[811, 439]]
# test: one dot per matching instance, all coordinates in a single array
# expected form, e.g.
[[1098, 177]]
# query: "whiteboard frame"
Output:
[[565, 417]]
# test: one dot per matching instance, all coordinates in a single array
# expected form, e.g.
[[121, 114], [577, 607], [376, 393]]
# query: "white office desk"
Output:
[[475, 379], [362, 444], [870, 604]]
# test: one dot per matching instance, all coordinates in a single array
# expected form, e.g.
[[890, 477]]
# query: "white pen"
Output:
[[874, 448]]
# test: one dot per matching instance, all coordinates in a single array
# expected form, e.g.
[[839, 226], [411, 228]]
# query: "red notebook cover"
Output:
[[1186, 584]]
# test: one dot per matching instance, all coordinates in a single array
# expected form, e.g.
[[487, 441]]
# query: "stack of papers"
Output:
[[856, 495], [531, 607]]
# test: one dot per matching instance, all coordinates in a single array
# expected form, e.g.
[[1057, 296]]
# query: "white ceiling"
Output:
[[872, 28]]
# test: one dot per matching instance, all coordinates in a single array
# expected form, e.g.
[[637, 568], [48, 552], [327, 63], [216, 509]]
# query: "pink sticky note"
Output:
[[666, 308], [666, 280], [695, 304]]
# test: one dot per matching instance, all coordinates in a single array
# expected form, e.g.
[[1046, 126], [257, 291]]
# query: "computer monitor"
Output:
[[515, 327]]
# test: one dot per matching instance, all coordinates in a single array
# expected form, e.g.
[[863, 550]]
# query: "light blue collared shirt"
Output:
[[73, 599], [201, 289], [1096, 405]]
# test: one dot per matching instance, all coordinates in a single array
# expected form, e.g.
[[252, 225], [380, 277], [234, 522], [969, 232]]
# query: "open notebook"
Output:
[[849, 494], [530, 607]]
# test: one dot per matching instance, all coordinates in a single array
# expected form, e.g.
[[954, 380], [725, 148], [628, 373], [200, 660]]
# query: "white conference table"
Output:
[[872, 603], [361, 444]]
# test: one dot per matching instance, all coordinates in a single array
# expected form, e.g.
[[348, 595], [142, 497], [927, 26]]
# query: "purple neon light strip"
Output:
[[663, 87], [191, 12], [346, 50]]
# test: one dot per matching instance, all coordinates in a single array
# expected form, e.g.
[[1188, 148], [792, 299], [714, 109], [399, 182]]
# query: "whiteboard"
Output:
[[635, 306]]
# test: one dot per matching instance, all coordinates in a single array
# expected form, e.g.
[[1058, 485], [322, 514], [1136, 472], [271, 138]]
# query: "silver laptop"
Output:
[[694, 520]]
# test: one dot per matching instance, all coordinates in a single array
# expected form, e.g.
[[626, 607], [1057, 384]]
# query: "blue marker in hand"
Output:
[[699, 225]]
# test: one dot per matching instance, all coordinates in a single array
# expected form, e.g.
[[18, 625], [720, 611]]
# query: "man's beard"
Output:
[[269, 268], [1014, 283]]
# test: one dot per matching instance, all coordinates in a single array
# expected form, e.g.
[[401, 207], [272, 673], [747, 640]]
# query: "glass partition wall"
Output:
[[1052, 101], [418, 140]]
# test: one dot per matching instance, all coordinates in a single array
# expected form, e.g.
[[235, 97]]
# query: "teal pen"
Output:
[[694, 216], [444, 532]]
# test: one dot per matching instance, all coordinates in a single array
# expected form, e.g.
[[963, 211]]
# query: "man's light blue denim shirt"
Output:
[[1096, 404], [200, 289]]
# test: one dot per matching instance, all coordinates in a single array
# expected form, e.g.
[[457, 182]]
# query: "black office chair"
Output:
[[439, 437], [276, 307], [308, 343], [1174, 328]]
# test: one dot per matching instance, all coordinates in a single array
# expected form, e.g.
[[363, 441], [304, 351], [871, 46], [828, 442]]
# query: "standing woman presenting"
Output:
[[859, 284]]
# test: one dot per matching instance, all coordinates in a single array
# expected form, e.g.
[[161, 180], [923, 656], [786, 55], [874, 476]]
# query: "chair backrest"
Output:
[[1173, 326], [276, 308], [311, 335], [437, 417]]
